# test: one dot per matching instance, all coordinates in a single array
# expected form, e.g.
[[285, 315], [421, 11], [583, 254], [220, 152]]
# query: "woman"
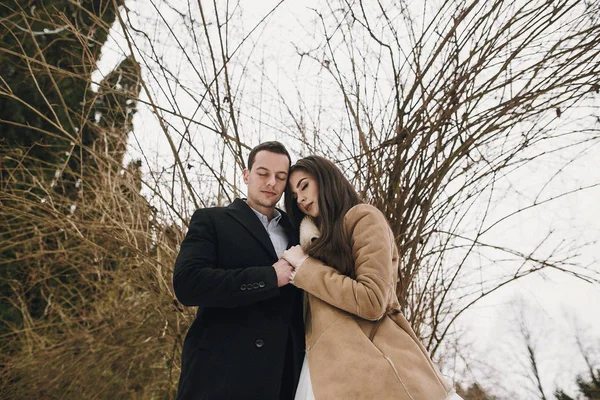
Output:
[[358, 344]]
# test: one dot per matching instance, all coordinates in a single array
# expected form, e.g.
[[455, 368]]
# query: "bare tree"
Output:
[[588, 382], [530, 341], [431, 111], [441, 106]]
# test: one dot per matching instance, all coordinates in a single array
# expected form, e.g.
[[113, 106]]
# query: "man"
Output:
[[247, 340]]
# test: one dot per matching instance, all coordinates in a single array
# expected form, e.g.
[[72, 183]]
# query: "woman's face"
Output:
[[306, 192]]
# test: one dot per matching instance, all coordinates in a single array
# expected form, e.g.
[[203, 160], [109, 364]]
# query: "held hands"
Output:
[[295, 256], [284, 270], [290, 260]]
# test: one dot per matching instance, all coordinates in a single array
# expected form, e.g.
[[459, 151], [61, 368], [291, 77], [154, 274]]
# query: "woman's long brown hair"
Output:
[[336, 196]]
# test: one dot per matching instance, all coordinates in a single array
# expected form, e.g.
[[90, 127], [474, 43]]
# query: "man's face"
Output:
[[266, 180]]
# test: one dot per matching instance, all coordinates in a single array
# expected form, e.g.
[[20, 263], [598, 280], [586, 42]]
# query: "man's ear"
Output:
[[246, 174]]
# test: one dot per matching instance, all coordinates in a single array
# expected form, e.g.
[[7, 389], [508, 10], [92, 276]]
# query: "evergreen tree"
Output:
[[50, 49], [589, 389], [49, 134]]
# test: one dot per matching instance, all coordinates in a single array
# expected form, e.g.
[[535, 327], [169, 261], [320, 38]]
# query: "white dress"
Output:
[[304, 390]]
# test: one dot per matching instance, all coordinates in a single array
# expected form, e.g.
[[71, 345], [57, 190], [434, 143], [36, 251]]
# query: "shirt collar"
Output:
[[276, 215]]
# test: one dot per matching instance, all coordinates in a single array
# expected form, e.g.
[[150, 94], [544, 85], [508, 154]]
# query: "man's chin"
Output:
[[268, 203]]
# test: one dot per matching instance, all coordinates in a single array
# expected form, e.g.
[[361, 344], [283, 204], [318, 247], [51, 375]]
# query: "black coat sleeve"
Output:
[[198, 280]]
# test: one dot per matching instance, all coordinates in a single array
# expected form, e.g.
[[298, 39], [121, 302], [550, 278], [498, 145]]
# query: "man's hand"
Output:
[[284, 270]]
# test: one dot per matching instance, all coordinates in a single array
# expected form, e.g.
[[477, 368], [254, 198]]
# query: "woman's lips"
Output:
[[308, 207]]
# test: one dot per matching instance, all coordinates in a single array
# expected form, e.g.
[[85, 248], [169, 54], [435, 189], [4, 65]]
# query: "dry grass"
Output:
[[92, 288]]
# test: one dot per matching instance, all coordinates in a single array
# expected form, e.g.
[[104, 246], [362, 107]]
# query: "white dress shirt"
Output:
[[276, 232]]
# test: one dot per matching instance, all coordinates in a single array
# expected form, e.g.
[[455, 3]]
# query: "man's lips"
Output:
[[269, 193]]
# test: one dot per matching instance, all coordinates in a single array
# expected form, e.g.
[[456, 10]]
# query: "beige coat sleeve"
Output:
[[368, 295]]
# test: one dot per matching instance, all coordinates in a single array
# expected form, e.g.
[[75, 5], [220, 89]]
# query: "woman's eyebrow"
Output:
[[299, 182]]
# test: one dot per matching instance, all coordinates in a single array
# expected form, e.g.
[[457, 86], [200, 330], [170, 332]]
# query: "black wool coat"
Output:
[[247, 341]]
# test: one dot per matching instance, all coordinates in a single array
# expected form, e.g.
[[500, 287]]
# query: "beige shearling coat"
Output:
[[344, 313]]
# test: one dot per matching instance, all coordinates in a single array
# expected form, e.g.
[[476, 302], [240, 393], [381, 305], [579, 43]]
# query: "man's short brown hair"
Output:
[[272, 146]]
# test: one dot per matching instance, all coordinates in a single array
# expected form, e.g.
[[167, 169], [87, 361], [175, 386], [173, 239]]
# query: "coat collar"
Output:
[[242, 213]]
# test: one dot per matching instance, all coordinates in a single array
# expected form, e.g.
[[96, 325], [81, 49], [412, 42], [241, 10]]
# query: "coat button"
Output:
[[255, 286], [243, 287], [259, 343], [261, 284]]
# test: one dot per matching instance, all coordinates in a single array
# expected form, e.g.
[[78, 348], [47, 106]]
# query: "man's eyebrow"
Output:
[[299, 182]]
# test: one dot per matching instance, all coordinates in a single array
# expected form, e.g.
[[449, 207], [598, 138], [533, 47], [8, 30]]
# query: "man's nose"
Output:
[[271, 181]]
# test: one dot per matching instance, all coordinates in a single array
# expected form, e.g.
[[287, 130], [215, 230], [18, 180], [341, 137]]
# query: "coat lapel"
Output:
[[292, 233], [242, 213]]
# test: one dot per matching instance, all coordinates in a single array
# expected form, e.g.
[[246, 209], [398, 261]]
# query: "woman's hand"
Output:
[[295, 256]]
